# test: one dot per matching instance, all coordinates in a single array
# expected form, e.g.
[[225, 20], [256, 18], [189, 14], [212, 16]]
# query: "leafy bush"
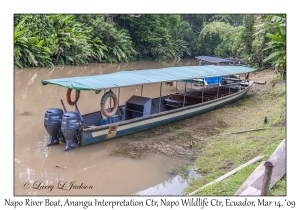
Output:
[[65, 39], [29, 49]]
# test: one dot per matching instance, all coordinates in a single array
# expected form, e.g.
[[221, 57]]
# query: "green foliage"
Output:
[[29, 49], [109, 43], [234, 20], [44, 40], [119, 45], [196, 21], [156, 36], [184, 36], [66, 39], [73, 41], [277, 42], [150, 37], [227, 38], [247, 33], [207, 44]]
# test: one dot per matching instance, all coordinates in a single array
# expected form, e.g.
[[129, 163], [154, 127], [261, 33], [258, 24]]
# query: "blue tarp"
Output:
[[214, 80]]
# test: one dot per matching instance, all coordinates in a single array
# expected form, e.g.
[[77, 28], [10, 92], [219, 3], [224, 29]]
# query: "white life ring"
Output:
[[103, 101]]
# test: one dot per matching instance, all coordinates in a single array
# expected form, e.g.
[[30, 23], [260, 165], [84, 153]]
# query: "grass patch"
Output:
[[228, 186], [280, 188]]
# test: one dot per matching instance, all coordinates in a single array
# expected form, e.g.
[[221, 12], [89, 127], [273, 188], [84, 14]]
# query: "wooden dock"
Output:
[[261, 177]]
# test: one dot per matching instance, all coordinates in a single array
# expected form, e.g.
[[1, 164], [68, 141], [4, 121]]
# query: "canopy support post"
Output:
[[218, 87], [203, 91], [159, 98], [239, 87], [229, 83], [110, 107], [184, 94], [119, 97], [142, 90]]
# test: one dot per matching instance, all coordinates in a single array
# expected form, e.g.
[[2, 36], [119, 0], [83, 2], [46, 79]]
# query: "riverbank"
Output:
[[222, 153], [214, 154]]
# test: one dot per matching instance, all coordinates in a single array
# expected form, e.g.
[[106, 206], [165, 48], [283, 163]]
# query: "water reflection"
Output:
[[174, 186], [91, 165]]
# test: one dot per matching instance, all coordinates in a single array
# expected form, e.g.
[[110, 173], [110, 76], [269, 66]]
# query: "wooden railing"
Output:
[[270, 164]]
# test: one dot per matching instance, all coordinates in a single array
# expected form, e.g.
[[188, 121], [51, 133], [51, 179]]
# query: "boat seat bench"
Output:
[[196, 96], [172, 103], [191, 99]]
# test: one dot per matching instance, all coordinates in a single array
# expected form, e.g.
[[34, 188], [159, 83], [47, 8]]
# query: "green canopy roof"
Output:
[[142, 77]]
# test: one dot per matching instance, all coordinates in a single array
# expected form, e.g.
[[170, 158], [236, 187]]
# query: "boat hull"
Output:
[[101, 133]]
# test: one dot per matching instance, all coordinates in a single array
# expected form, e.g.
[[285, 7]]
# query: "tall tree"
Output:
[[275, 26], [248, 31], [152, 35]]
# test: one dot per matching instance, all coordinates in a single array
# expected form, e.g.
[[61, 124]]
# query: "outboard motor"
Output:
[[71, 129], [52, 123]]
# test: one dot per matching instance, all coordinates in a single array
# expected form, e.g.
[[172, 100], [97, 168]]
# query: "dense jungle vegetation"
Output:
[[46, 40]]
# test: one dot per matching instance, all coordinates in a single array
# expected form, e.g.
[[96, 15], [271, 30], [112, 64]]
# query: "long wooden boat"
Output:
[[209, 60], [217, 86]]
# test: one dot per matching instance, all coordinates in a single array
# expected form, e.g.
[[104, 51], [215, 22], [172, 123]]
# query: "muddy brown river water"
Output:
[[88, 170]]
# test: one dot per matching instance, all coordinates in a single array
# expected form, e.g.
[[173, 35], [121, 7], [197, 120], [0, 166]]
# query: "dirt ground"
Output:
[[175, 139]]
